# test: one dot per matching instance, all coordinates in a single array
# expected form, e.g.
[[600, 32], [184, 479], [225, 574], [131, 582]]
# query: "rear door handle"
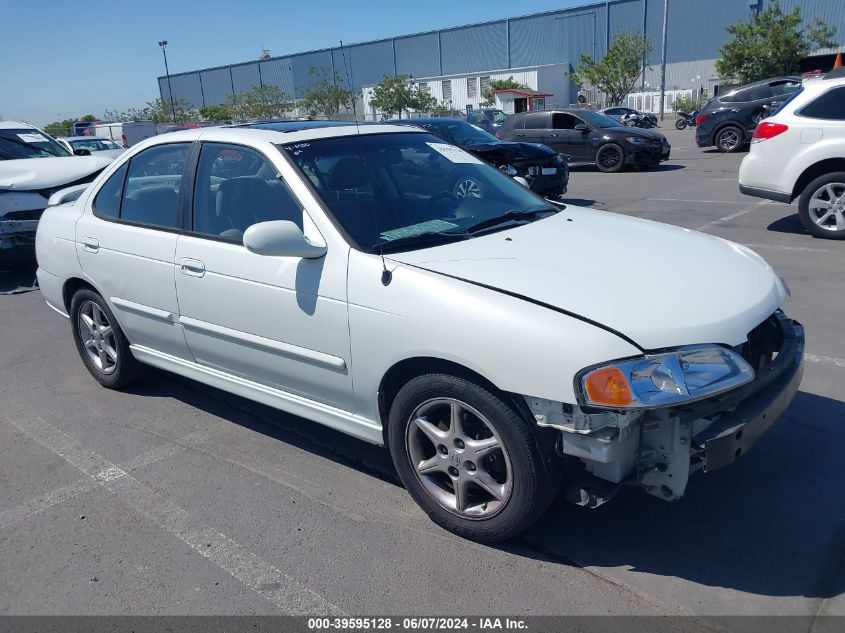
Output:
[[553, 135], [90, 244], [193, 267]]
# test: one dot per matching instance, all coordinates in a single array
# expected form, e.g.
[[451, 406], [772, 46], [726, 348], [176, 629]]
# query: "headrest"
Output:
[[349, 173]]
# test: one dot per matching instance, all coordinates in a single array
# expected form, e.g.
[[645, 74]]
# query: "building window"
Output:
[[447, 91], [485, 85], [472, 87], [424, 86]]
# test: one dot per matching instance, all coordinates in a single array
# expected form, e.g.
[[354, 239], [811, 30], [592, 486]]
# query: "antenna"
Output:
[[386, 275]]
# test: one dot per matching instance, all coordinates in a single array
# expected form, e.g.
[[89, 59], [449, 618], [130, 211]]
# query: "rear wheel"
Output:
[[468, 458], [821, 207], [680, 124], [610, 158], [100, 341], [729, 139]]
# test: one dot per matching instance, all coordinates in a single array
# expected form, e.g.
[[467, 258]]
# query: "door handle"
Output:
[[553, 135], [193, 267], [90, 244], [520, 134]]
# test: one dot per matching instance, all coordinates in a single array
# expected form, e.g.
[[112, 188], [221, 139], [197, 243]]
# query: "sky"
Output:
[[62, 63]]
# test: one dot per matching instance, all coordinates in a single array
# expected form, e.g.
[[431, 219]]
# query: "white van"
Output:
[[128, 133]]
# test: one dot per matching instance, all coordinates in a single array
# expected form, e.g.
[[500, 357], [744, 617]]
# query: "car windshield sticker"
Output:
[[432, 226], [32, 138], [454, 154]]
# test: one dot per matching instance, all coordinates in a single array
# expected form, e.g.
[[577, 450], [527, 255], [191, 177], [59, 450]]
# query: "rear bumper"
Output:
[[757, 405]]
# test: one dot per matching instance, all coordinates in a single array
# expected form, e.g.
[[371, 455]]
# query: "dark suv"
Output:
[[728, 120], [588, 136]]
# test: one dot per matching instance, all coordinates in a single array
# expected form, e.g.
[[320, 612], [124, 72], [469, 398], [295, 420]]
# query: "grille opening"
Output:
[[763, 344]]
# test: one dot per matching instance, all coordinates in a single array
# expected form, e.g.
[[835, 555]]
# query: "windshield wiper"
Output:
[[423, 239], [509, 217]]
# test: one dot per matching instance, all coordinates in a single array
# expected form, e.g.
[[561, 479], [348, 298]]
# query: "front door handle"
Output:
[[193, 267], [90, 244], [553, 135]]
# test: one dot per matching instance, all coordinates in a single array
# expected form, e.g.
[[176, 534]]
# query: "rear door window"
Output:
[[537, 121], [151, 191]]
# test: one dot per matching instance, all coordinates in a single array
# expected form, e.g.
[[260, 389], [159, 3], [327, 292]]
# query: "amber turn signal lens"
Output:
[[608, 386]]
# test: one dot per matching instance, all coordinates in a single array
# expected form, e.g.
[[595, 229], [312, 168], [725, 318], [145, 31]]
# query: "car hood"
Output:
[[32, 174], [638, 131], [521, 150], [656, 284]]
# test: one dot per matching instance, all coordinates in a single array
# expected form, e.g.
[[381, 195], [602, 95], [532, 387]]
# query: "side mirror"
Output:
[[81, 152], [280, 238], [581, 127]]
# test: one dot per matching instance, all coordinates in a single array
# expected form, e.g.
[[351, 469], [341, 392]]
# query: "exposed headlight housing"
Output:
[[636, 140], [663, 380]]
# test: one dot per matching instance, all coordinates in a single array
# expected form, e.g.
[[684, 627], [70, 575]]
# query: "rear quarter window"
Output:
[[829, 105]]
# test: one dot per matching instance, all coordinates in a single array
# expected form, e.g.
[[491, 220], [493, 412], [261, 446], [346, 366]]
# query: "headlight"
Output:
[[636, 140], [661, 380]]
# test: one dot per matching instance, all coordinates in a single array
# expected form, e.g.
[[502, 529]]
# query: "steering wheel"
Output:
[[443, 195]]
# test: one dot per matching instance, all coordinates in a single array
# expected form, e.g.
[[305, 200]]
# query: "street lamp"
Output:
[[163, 44]]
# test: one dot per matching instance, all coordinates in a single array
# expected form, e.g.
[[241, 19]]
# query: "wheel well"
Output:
[[71, 286], [816, 170], [735, 124], [408, 369]]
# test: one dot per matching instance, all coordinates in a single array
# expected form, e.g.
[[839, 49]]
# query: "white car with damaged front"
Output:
[[497, 345]]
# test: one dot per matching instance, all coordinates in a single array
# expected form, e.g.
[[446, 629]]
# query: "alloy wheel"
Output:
[[97, 337], [459, 458], [610, 157], [827, 207], [728, 140]]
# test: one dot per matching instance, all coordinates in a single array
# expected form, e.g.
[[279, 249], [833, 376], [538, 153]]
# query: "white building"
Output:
[[460, 92]]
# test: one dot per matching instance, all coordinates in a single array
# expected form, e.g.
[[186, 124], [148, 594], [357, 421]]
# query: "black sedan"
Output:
[[546, 171], [587, 136]]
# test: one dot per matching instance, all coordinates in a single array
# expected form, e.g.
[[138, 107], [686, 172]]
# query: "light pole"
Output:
[[163, 44], [663, 56]]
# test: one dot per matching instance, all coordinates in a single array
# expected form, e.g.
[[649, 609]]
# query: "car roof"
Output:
[[84, 138], [426, 119], [15, 125], [275, 133]]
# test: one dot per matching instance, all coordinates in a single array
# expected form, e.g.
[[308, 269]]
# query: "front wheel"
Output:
[[468, 458], [100, 341], [821, 207], [610, 158]]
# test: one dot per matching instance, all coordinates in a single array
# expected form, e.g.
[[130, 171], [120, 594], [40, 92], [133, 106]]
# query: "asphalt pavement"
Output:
[[174, 498]]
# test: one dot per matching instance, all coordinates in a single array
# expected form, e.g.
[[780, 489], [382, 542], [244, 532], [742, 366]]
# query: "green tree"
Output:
[[261, 102], [217, 113], [772, 43], [158, 111], [501, 84], [685, 104], [395, 94], [616, 73], [60, 128], [326, 95]]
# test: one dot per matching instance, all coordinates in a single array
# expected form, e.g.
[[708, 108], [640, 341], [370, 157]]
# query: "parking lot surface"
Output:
[[173, 498]]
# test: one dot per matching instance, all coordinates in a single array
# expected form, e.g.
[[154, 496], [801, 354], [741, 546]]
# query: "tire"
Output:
[[607, 164], [680, 124], [729, 139], [100, 342], [468, 186], [821, 207], [504, 491]]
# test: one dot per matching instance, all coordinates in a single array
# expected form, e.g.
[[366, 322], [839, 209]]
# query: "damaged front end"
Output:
[[657, 448]]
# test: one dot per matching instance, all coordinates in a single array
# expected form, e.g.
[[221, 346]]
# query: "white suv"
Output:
[[333, 272], [800, 153]]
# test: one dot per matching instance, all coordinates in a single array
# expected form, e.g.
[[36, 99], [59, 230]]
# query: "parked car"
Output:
[[93, 145], [800, 153], [728, 120], [33, 165], [127, 134], [488, 119], [490, 342], [622, 113], [545, 171], [588, 136]]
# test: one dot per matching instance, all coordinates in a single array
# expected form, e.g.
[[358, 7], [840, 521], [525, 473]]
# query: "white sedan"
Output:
[[496, 344]]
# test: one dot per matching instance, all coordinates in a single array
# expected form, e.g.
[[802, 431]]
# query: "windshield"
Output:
[[596, 119], [460, 133], [94, 144], [28, 143], [406, 188]]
